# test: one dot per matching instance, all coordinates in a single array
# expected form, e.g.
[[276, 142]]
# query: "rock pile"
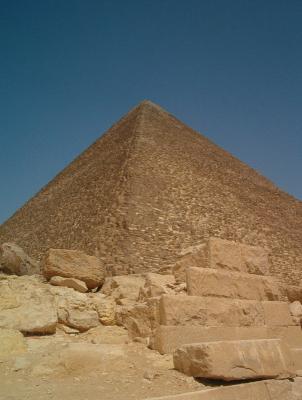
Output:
[[222, 317]]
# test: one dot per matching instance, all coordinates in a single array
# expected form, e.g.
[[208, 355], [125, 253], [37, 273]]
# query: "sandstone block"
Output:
[[27, 305], [72, 283], [12, 342], [262, 390], [196, 310], [14, 260], [211, 282], [235, 360], [74, 264], [226, 255]]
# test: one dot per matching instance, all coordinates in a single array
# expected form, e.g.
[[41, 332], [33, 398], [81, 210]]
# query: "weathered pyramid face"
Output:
[[149, 188]]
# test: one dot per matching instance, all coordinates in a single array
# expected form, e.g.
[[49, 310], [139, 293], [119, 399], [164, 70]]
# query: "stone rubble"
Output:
[[226, 321]]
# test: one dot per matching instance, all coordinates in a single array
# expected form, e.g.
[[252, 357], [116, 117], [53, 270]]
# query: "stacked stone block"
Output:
[[230, 297]]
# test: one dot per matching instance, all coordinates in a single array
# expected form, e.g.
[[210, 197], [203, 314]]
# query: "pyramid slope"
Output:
[[152, 186]]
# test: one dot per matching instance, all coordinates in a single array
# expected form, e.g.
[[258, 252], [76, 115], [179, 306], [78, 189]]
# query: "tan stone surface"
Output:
[[136, 319], [14, 260], [235, 360], [73, 264], [211, 282], [11, 343], [196, 310], [173, 188], [124, 289], [292, 335], [27, 305], [168, 338], [264, 390], [296, 309], [296, 354], [75, 309], [72, 283], [277, 313], [156, 285], [106, 308], [226, 255]]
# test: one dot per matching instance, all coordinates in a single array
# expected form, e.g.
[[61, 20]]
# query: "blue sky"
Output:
[[69, 69]]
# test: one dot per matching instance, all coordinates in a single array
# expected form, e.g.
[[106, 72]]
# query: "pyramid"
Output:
[[151, 187]]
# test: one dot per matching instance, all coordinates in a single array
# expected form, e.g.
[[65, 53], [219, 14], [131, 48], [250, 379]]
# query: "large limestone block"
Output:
[[235, 360], [292, 335], [27, 305], [124, 289], [74, 264], [262, 390], [196, 310], [12, 342], [226, 255], [211, 282], [14, 260], [76, 310], [277, 313], [166, 339]]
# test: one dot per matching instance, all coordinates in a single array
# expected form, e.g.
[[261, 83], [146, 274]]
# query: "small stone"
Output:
[[72, 283]]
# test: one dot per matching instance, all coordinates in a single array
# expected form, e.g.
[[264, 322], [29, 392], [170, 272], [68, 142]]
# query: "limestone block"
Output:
[[277, 313], [196, 310], [72, 283], [156, 285], [106, 308], [235, 360], [211, 282], [166, 339], [291, 335], [75, 309], [296, 354], [12, 342], [262, 390], [226, 255], [74, 264], [136, 319], [14, 260], [27, 305], [124, 289], [296, 309]]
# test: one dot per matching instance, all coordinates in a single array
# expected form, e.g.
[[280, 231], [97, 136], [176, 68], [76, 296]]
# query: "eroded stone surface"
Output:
[[235, 360], [216, 283], [14, 260], [73, 264], [27, 305], [72, 283]]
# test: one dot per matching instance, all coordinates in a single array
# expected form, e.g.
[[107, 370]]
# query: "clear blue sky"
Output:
[[69, 69]]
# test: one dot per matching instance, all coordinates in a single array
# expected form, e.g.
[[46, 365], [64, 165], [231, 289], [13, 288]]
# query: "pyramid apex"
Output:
[[149, 104]]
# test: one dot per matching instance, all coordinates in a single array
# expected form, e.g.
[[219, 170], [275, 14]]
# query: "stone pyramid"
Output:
[[149, 188]]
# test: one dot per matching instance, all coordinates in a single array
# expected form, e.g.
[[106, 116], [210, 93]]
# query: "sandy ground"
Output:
[[101, 364]]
